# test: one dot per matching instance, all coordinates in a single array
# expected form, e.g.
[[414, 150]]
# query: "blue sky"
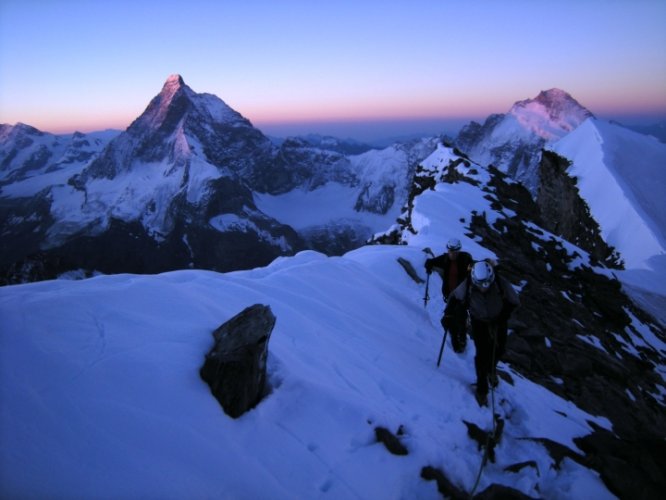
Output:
[[91, 64]]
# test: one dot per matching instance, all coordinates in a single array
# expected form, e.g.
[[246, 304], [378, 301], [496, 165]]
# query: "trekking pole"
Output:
[[426, 297], [441, 349]]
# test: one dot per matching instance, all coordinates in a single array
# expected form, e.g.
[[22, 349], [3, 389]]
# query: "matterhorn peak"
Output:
[[173, 84]]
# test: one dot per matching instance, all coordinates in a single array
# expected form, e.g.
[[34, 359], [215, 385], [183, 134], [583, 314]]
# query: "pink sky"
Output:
[[73, 65]]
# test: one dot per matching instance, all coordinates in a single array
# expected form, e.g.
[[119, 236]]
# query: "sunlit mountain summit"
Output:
[[179, 188], [513, 141]]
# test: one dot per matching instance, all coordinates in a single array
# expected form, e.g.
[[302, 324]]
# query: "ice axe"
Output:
[[441, 349], [426, 297]]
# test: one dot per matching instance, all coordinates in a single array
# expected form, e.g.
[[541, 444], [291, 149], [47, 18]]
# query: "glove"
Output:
[[448, 322], [428, 266]]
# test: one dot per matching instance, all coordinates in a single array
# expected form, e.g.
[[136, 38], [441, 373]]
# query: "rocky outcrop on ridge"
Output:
[[576, 333], [235, 367]]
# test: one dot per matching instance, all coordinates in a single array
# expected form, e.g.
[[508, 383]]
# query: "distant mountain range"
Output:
[[175, 190], [191, 183]]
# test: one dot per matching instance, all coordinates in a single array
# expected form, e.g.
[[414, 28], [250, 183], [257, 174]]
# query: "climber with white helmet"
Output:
[[489, 299]]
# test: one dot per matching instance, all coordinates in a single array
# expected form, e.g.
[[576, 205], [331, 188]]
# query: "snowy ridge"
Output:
[[353, 349], [620, 175]]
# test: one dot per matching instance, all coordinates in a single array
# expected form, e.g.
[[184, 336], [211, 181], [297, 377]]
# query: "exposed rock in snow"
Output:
[[235, 367]]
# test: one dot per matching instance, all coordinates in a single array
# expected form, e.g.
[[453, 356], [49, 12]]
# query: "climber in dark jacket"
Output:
[[453, 267], [489, 299]]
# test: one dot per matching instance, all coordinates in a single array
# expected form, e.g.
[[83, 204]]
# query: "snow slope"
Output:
[[327, 204], [101, 395]]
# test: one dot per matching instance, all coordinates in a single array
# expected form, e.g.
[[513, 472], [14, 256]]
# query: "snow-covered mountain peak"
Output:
[[9, 131], [171, 86], [551, 115], [166, 107], [177, 102], [513, 142]]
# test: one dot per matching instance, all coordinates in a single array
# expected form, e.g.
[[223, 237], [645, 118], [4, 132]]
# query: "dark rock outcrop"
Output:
[[578, 339], [565, 213], [450, 490], [390, 440], [235, 367]]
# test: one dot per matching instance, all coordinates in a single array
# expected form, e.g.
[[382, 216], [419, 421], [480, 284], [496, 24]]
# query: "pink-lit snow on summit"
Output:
[[551, 115]]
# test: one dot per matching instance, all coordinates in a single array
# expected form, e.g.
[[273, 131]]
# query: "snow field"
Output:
[[102, 397]]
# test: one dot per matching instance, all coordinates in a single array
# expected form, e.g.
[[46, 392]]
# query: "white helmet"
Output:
[[454, 244], [482, 274]]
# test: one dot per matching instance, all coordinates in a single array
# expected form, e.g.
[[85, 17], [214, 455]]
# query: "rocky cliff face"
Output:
[[566, 214]]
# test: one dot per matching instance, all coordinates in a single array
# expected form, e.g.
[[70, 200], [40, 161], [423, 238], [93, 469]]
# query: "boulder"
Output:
[[235, 367]]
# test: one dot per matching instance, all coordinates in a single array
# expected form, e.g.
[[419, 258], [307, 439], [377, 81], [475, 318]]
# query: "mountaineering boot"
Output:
[[481, 398], [458, 341], [493, 380]]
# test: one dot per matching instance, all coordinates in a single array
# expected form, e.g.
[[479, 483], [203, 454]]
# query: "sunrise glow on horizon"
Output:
[[83, 65]]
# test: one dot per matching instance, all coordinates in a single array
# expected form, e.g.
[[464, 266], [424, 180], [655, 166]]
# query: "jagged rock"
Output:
[[485, 439], [501, 492], [449, 490], [521, 465], [391, 441], [598, 375], [444, 486], [637, 467], [235, 367], [373, 201]]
